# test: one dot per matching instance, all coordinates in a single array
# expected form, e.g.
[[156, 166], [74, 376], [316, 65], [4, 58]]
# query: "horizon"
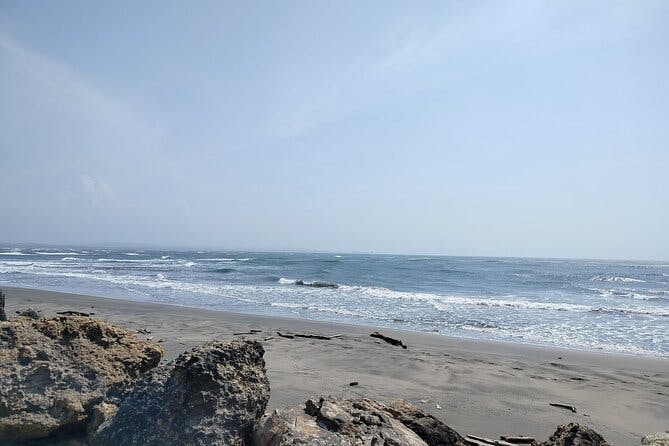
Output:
[[522, 129], [161, 248]]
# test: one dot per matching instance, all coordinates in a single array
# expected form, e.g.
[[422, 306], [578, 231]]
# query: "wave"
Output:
[[132, 253], [314, 284], [224, 270], [632, 293], [52, 253], [618, 279], [69, 259], [13, 253]]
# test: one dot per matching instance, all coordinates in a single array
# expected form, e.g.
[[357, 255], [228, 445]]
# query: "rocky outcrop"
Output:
[[656, 439], [573, 434], [53, 371], [329, 422], [211, 395]]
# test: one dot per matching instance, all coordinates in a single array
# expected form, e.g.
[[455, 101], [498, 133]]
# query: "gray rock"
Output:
[[54, 370], [573, 434], [656, 439], [30, 313], [211, 395], [332, 422], [3, 315]]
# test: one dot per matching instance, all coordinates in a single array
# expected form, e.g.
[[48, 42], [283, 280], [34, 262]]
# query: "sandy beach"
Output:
[[485, 388]]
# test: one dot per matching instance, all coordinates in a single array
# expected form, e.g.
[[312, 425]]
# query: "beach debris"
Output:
[[332, 421], [161, 340], [250, 332], [353, 383], [518, 439], [564, 406], [477, 441], [53, 371], [307, 336], [212, 394], [388, 339], [74, 313], [143, 331], [268, 338], [656, 439], [314, 336], [149, 338], [3, 315], [573, 434], [437, 406]]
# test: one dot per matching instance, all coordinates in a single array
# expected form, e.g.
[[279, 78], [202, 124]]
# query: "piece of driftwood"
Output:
[[74, 313], [518, 439], [353, 383], [488, 441], [143, 331], [250, 332], [389, 340], [311, 336], [288, 336], [564, 406], [268, 338]]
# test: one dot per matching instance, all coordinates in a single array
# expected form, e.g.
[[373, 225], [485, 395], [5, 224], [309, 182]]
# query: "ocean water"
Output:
[[614, 306]]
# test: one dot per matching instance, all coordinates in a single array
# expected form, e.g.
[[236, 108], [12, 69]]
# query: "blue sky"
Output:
[[532, 128]]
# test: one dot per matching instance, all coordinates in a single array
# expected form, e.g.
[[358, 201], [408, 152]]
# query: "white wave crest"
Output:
[[618, 279]]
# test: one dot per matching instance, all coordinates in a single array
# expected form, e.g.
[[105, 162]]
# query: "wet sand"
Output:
[[477, 387]]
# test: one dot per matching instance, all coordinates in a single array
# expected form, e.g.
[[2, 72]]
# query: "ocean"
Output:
[[612, 306]]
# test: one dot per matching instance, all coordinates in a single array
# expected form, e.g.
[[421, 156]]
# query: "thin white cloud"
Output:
[[33, 74]]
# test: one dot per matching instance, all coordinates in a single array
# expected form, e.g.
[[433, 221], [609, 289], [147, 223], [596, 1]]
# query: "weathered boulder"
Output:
[[656, 439], [54, 370], [212, 395], [332, 422], [573, 434]]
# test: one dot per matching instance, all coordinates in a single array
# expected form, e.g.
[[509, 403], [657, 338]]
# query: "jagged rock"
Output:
[[656, 439], [100, 413], [3, 315], [573, 434], [332, 422], [211, 395], [54, 370], [431, 430]]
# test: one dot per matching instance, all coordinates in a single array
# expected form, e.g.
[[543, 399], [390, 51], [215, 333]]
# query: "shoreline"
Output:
[[482, 387], [508, 343]]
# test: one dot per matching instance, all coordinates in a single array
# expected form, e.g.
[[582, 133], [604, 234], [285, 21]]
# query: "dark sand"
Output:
[[484, 388]]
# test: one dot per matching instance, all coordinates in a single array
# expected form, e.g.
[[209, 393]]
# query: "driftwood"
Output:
[[250, 332], [74, 313], [353, 383], [308, 336], [389, 340], [518, 439], [564, 406], [143, 331], [477, 441]]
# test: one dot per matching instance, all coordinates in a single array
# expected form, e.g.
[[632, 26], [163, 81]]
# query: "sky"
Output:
[[515, 128]]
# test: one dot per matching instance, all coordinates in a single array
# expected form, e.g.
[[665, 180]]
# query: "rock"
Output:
[[656, 439], [332, 422], [3, 315], [99, 414], [573, 434], [53, 371], [30, 313], [431, 430], [211, 395]]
